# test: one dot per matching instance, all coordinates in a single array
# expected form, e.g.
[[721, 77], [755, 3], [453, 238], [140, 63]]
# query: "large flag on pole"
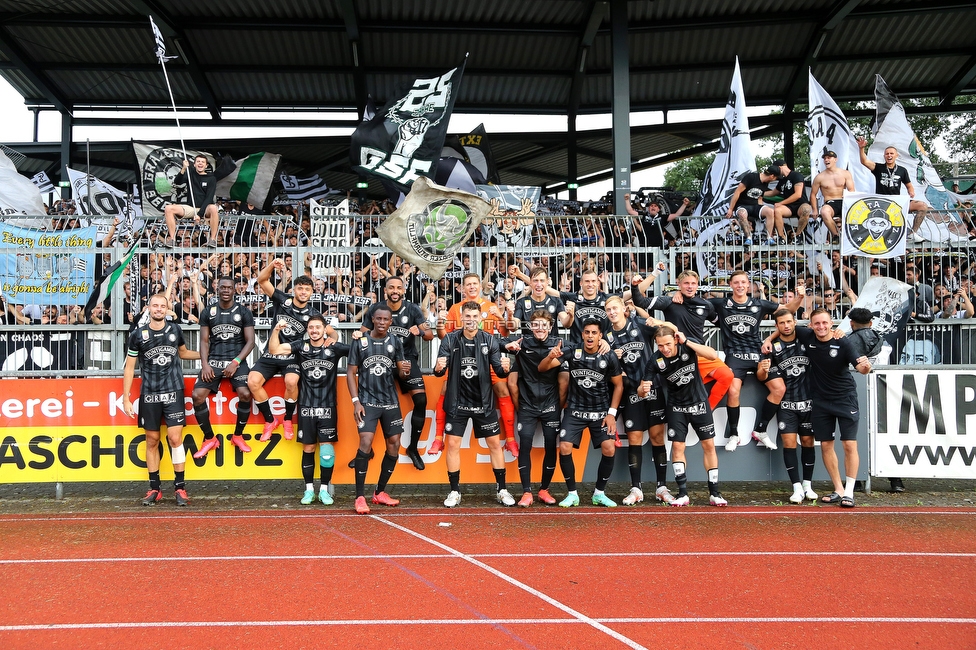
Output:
[[303, 189], [734, 156], [19, 196], [432, 225], [251, 179], [403, 140], [829, 131], [157, 167], [475, 149], [105, 200]]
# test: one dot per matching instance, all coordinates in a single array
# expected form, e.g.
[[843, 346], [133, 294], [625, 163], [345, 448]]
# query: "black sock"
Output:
[[789, 459], [569, 471], [308, 466], [808, 457], [499, 479], [202, 414], [660, 454], [455, 479], [243, 413], [362, 464], [603, 472], [525, 462], [769, 411], [327, 475], [733, 414], [290, 405], [418, 418], [386, 471], [154, 483], [635, 460], [179, 480], [548, 460], [264, 408], [680, 478]]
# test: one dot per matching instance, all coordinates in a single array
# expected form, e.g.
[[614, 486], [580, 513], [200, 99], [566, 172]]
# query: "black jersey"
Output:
[[586, 310], [689, 316], [376, 360], [526, 306], [790, 357], [283, 308], [203, 187], [679, 375], [538, 391], [158, 352], [590, 388], [754, 190], [829, 376], [739, 323], [319, 370], [404, 318], [635, 341], [468, 362], [787, 185], [888, 182], [226, 330]]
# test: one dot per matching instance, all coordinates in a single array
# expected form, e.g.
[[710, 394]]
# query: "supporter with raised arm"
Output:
[[889, 178]]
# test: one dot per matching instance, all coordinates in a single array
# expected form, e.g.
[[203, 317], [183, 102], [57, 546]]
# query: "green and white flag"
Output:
[[251, 181], [432, 224], [103, 287]]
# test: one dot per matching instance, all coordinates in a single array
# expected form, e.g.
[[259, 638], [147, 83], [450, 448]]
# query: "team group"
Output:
[[659, 376]]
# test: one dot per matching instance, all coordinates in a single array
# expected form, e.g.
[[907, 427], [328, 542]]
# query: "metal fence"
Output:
[[349, 264]]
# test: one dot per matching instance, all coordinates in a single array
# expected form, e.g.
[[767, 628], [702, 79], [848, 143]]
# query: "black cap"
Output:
[[829, 154], [779, 162], [772, 171], [860, 315]]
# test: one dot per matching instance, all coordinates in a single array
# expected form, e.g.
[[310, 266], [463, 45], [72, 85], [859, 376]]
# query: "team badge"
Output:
[[389, 348], [700, 311], [633, 333], [684, 357], [754, 309], [628, 423], [363, 341], [662, 364], [552, 309], [172, 338], [404, 319], [213, 311], [237, 318], [670, 433], [484, 350], [288, 303], [603, 364], [782, 425], [328, 352], [578, 354], [778, 346], [448, 427], [528, 304], [833, 352]]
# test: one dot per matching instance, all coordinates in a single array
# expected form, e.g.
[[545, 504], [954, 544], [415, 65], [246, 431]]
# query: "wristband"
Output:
[[237, 360], [612, 411], [355, 399]]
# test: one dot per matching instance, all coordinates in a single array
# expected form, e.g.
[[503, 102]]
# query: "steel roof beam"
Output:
[[960, 81], [34, 73]]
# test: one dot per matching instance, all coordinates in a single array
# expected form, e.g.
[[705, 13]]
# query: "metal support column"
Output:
[[620, 50], [571, 169], [788, 148], [67, 129]]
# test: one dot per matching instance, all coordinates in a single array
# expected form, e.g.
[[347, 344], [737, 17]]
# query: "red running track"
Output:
[[542, 578]]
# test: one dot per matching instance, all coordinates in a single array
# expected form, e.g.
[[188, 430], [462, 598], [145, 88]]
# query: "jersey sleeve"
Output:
[[133, 346], [613, 365], [279, 297], [355, 351]]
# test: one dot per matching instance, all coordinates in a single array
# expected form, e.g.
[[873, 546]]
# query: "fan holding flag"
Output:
[[202, 185]]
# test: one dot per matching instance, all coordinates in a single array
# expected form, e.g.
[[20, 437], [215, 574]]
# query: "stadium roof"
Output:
[[550, 57]]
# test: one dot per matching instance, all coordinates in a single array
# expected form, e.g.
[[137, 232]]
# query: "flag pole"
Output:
[[161, 55]]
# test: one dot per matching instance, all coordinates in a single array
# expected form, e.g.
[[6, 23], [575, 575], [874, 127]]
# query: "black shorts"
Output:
[[269, 366], [698, 416], [794, 417], [572, 426], [794, 207], [389, 417], [826, 419], [530, 420], [415, 381], [635, 412], [237, 381], [742, 369], [483, 425], [838, 207], [316, 424], [752, 211], [166, 407]]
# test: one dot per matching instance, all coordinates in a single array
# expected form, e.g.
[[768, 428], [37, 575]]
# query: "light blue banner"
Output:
[[47, 267]]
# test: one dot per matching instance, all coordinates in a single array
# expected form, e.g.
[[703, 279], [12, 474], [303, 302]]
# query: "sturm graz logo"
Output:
[[875, 225], [436, 232]]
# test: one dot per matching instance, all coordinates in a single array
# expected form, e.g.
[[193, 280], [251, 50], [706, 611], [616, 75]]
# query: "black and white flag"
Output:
[[734, 156], [42, 182], [302, 189], [403, 140]]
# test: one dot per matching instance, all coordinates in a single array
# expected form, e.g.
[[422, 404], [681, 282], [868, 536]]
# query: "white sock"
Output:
[[806, 485], [797, 487], [849, 487], [309, 486], [597, 492]]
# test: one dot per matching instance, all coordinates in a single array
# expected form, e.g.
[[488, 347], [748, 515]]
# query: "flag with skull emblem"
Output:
[[432, 224], [874, 225]]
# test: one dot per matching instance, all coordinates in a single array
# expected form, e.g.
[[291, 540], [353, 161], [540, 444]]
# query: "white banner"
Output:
[[734, 156], [920, 424], [828, 130], [105, 200], [874, 225], [329, 229]]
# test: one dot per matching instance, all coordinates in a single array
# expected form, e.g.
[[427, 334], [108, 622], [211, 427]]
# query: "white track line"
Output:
[[483, 621], [630, 643], [423, 556], [655, 512]]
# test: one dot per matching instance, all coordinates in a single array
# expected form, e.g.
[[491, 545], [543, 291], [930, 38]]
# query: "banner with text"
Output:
[[922, 424], [46, 267], [329, 229]]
